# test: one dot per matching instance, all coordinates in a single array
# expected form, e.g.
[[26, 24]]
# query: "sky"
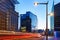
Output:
[[39, 11]]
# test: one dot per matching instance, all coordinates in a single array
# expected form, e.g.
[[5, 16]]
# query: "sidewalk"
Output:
[[49, 38], [57, 38]]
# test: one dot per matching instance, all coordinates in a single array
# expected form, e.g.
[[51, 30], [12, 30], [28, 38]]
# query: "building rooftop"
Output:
[[14, 1], [57, 4]]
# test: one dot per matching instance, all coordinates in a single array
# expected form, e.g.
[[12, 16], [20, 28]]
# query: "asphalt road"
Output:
[[49, 38]]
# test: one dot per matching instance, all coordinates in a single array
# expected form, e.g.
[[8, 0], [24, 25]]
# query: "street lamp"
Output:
[[51, 14], [36, 3]]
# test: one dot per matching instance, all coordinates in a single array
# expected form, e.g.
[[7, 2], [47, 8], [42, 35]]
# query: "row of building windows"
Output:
[[2, 23], [7, 5], [8, 16]]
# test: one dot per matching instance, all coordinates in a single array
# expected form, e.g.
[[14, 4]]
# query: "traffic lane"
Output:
[[30, 39], [25, 36], [23, 39], [36, 38], [22, 36]]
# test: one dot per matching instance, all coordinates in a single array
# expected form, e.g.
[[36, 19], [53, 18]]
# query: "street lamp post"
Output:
[[36, 3]]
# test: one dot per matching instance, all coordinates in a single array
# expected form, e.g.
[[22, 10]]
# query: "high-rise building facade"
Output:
[[28, 20], [8, 15], [57, 20], [52, 22], [25, 23], [33, 19], [52, 18]]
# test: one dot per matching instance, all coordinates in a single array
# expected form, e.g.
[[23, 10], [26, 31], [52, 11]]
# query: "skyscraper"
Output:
[[52, 18], [25, 23], [8, 15], [29, 20], [57, 20], [33, 19]]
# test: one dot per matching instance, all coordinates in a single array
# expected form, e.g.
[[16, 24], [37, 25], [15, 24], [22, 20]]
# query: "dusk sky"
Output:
[[39, 11]]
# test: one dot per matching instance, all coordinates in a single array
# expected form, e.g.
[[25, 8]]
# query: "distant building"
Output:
[[25, 23], [8, 15], [57, 20], [40, 31], [28, 20], [33, 19], [52, 22], [52, 18]]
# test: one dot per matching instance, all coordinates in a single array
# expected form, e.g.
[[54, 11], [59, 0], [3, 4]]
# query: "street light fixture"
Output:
[[51, 14], [36, 3]]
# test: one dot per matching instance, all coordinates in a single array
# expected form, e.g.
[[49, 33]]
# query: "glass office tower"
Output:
[[57, 20], [28, 19]]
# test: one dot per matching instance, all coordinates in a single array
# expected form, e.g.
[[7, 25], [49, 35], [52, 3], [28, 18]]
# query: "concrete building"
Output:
[[8, 15]]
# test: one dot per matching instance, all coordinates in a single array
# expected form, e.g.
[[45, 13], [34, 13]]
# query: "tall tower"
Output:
[[57, 20], [28, 21]]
